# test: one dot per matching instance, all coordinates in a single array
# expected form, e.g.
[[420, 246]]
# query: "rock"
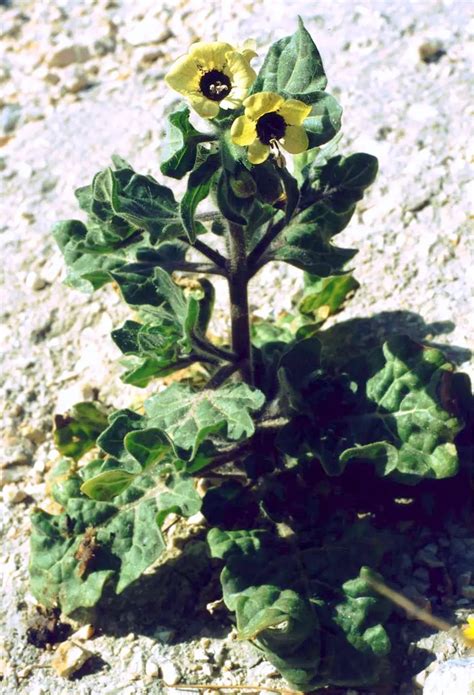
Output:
[[49, 184], [13, 494], [170, 673], [468, 592], [84, 633], [431, 51], [69, 658], [148, 30], [75, 80], [152, 670], [67, 54], [34, 281], [9, 118], [455, 676]]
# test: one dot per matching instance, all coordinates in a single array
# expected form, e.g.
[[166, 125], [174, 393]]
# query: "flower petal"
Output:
[[294, 111], [239, 70], [258, 152], [295, 139], [243, 131], [204, 107], [184, 75], [210, 56], [261, 103]]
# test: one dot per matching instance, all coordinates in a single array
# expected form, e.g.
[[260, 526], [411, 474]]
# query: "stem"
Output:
[[258, 252], [212, 254], [222, 375], [239, 307]]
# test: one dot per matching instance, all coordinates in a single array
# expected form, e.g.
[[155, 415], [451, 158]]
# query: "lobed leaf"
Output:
[[106, 540], [181, 142], [189, 418], [75, 432]]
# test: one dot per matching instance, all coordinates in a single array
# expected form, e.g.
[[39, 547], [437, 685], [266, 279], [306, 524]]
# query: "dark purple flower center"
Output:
[[270, 126], [215, 85]]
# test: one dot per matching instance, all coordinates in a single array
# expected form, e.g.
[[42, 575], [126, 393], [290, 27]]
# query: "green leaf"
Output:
[[324, 121], [324, 297], [189, 417], [181, 141], [174, 322], [394, 410], [75, 432], [199, 185], [297, 612], [108, 534], [305, 243], [181, 498], [292, 66], [123, 534], [105, 486], [292, 193], [91, 259], [149, 446]]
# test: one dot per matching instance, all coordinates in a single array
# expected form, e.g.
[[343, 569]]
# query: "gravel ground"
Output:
[[80, 81]]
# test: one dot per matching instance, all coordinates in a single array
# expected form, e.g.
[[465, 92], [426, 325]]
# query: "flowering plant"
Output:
[[288, 420]]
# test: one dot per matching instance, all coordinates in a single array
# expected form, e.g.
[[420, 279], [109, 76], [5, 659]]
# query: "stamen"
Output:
[[270, 126], [215, 85]]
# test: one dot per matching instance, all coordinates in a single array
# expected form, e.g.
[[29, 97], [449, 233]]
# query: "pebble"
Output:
[[13, 494], [152, 669], [35, 282], [431, 51], [67, 54], [9, 117], [453, 677], [148, 31], [69, 658], [170, 673]]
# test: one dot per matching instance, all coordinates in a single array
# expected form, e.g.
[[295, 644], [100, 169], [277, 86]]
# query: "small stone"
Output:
[[265, 670], [420, 679], [200, 654], [455, 676], [152, 670], [49, 185], [164, 634], [206, 670], [68, 54], [12, 494], [148, 30], [9, 118], [35, 282], [69, 658], [170, 673], [84, 633], [431, 51], [135, 667]]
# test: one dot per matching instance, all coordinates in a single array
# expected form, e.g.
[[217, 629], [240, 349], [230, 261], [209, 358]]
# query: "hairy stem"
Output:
[[239, 307], [257, 255], [212, 254]]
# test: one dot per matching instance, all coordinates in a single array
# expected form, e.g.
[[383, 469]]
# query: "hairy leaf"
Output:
[[396, 411], [199, 185], [173, 324], [292, 66], [181, 141], [107, 535], [297, 612], [189, 417], [75, 432], [324, 297]]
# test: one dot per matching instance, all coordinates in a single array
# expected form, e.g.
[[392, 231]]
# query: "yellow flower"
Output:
[[269, 119], [468, 631], [213, 75]]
